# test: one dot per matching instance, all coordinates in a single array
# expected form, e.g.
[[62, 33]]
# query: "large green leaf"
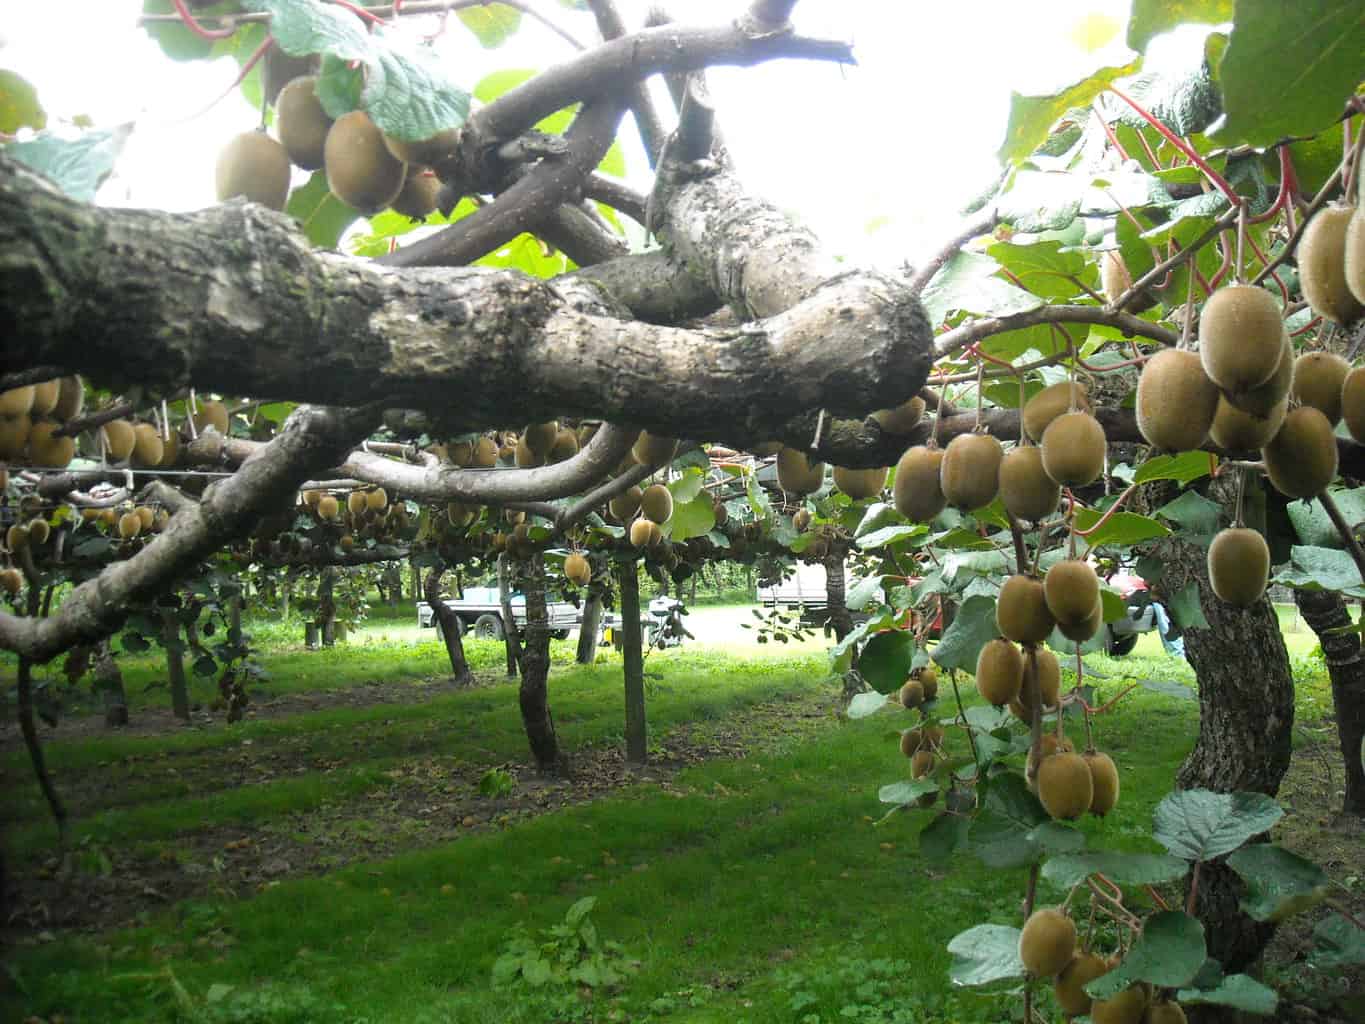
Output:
[[943, 836], [1169, 953], [999, 834], [1235, 990], [1045, 270], [1195, 513], [19, 106], [1038, 201], [492, 24], [323, 217], [1279, 883], [865, 704], [864, 592], [1120, 868], [695, 518], [1312, 523], [889, 535], [176, 41], [1338, 942], [885, 661], [968, 282], [1321, 569], [1031, 117], [986, 953], [1122, 528], [1151, 18], [1182, 467], [1199, 824], [76, 166], [1289, 67], [972, 628], [903, 793]]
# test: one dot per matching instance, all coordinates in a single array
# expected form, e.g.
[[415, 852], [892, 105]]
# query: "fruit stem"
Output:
[[1353, 169], [1190, 152], [1108, 513], [962, 717], [1109, 133], [193, 25], [1194, 888]]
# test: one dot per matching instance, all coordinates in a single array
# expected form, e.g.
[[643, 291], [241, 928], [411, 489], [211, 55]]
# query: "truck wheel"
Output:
[[559, 634], [1118, 646], [488, 627]]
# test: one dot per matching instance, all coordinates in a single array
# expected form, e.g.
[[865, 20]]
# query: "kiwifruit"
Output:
[[14, 437], [1074, 447], [540, 437], [656, 503], [346, 542], [1239, 566], [1353, 403], [211, 413], [796, 474], [1354, 244], [641, 532], [38, 531], [526, 457], [626, 504], [1050, 743], [119, 439], [656, 535], [377, 499], [146, 515], [161, 520], [1083, 629], [11, 580], [565, 446], [129, 525], [147, 446], [459, 514], [310, 497], [485, 453], [1301, 460], [170, 449], [1047, 943], [278, 69], [1021, 612], [1025, 487], [1071, 589], [928, 677], [1176, 401], [910, 741], [418, 197], [1240, 332], [70, 400], [1065, 786], [901, 419], [1049, 680], [356, 503], [1322, 265], [1261, 401], [929, 737], [1167, 1011], [255, 166], [801, 520], [917, 490], [922, 763], [1051, 402], [1069, 988], [301, 122], [970, 473], [45, 395], [1104, 782], [860, 483], [434, 150], [911, 694], [654, 451], [16, 537], [1318, 377], [361, 172], [17, 401], [1115, 278], [109, 517], [577, 569], [1237, 431], [999, 672], [1127, 1007]]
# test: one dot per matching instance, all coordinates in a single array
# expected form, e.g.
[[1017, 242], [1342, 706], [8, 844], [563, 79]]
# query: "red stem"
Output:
[[1306, 327], [193, 25], [1184, 147], [1109, 132], [360, 12], [1109, 512]]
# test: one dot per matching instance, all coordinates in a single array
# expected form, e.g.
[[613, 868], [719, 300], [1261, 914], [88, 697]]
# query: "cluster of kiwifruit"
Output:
[[577, 569], [922, 744], [542, 444], [365, 168], [127, 521], [655, 509], [1048, 948], [1331, 257], [1070, 784], [359, 514], [30, 416]]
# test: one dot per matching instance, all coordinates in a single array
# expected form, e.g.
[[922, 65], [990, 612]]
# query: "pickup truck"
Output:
[[481, 611]]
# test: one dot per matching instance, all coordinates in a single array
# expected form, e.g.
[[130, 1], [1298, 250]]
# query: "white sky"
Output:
[[900, 141]]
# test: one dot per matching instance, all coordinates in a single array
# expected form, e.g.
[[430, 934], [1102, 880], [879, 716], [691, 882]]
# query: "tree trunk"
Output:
[[109, 683], [415, 575], [449, 623], [1327, 615], [35, 748], [587, 629], [535, 670], [840, 620], [511, 638], [327, 608], [1246, 714], [636, 725], [175, 664], [286, 592]]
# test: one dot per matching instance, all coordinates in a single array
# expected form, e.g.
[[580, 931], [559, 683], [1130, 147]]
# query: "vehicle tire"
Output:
[[1118, 646], [488, 627], [559, 634]]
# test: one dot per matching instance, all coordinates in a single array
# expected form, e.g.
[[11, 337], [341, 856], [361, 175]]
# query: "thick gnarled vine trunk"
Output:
[[449, 624], [535, 670], [1327, 615]]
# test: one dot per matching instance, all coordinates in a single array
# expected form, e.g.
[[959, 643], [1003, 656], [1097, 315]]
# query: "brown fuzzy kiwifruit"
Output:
[[656, 503], [801, 520], [46, 450], [796, 474], [1127, 1007], [1047, 942], [129, 525], [11, 580], [212, 414], [926, 737], [147, 445], [45, 395], [901, 419], [653, 450], [1025, 488], [1239, 566], [1353, 403], [14, 437], [1322, 265], [1021, 612], [301, 122], [922, 763], [1050, 743], [525, 457], [1074, 447], [565, 446], [1084, 629], [1354, 244], [928, 677], [377, 500], [1051, 402], [1318, 377], [328, 507], [437, 149], [254, 166], [70, 398], [147, 516], [1301, 460], [578, 569], [860, 483], [1167, 1011], [1049, 681], [16, 537], [119, 439], [458, 514], [1240, 332], [38, 531], [485, 453], [361, 172], [970, 473], [1065, 786], [625, 504], [917, 490], [540, 437], [419, 194], [1115, 278], [170, 449], [1262, 400], [356, 504], [911, 694], [999, 672], [1069, 988], [1176, 401], [1104, 782], [1071, 589], [910, 741], [17, 401], [1237, 431], [642, 532]]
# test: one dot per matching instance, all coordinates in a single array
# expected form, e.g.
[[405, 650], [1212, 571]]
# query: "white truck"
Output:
[[481, 611]]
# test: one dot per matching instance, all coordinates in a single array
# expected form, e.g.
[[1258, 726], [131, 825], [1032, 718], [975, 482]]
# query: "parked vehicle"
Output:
[[1144, 615], [480, 610], [661, 625], [805, 591]]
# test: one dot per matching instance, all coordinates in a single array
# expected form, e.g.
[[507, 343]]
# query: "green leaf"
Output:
[[943, 836], [1182, 467], [1169, 688], [1315, 568], [890, 535], [864, 592], [968, 282], [1115, 608], [1338, 942], [1037, 201], [902, 793], [972, 628], [1185, 608], [986, 953], [864, 704], [1045, 270], [999, 833], [19, 106], [1279, 883], [76, 166], [1120, 868], [1031, 117], [1199, 824], [492, 25], [204, 665], [1052, 837], [323, 217], [1312, 524], [1289, 68], [695, 518], [1169, 952], [176, 41], [885, 661], [1150, 18], [877, 515], [1237, 991], [1199, 516], [135, 643], [579, 910], [686, 487], [1122, 528]]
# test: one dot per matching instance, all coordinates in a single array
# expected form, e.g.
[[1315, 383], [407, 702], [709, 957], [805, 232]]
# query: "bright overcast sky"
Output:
[[877, 158]]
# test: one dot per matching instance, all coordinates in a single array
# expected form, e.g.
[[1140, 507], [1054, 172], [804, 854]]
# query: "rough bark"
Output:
[[535, 670], [840, 620], [327, 609], [449, 623], [29, 728], [587, 629], [109, 683], [510, 634], [175, 664], [1327, 615], [637, 736]]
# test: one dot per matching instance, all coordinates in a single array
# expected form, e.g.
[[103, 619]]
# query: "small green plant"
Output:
[[497, 782], [571, 953]]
